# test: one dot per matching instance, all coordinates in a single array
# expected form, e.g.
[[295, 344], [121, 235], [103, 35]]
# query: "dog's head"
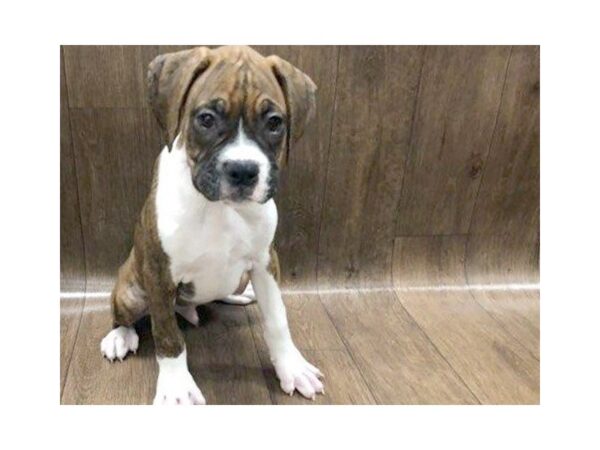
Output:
[[235, 113]]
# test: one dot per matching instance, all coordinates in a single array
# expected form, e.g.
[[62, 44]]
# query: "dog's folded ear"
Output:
[[300, 96], [170, 77]]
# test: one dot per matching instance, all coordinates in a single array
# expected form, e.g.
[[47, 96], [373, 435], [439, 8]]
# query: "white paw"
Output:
[[237, 300], [295, 373], [189, 313], [245, 298], [119, 342], [177, 388], [249, 291]]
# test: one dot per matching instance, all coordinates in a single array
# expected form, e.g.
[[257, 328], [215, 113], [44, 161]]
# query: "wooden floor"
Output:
[[413, 344]]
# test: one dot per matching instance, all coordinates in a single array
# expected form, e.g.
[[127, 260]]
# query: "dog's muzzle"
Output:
[[240, 171], [235, 180]]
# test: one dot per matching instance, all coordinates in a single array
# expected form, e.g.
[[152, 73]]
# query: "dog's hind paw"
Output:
[[189, 313], [245, 298], [119, 342], [237, 300]]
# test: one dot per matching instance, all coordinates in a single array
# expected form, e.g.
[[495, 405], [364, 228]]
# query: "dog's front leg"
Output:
[[293, 371], [175, 385]]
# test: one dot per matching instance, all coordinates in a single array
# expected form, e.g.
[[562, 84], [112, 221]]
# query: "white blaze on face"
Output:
[[245, 149]]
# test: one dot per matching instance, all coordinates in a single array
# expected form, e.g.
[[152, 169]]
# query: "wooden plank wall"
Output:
[[410, 145]]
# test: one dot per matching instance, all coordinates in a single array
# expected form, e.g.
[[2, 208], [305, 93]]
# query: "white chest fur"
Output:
[[209, 243]]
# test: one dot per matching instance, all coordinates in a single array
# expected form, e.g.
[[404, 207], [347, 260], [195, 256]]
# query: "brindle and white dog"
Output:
[[229, 116]]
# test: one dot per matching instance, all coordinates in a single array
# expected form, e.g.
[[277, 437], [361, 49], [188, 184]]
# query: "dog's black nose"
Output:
[[241, 173]]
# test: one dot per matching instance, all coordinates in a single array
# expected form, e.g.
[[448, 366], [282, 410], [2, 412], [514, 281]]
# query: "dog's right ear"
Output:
[[170, 77], [299, 92]]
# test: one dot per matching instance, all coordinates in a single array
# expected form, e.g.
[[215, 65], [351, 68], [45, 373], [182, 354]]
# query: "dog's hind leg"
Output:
[[128, 304], [189, 313], [244, 294]]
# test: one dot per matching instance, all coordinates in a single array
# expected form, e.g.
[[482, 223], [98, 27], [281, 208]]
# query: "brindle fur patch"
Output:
[[185, 293], [146, 275], [128, 300], [273, 267]]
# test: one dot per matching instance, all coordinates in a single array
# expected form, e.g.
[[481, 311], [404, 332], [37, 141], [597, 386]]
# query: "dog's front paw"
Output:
[[295, 373], [177, 388], [119, 342]]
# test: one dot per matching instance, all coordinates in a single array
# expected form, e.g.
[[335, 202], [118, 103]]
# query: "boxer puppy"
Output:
[[229, 116]]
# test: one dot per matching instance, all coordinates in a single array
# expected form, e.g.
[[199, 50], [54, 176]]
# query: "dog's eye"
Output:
[[206, 119], [274, 123]]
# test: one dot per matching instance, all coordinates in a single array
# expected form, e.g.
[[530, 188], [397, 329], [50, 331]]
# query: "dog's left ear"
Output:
[[300, 97], [170, 77]]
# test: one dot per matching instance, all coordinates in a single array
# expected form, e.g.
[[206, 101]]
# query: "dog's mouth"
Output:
[[215, 185], [238, 195]]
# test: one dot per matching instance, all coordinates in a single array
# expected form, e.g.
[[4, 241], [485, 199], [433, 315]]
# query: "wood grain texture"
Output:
[[374, 104], [223, 359], [504, 240], [115, 150], [398, 362], [72, 265], [106, 76], [457, 106], [497, 368], [316, 336], [517, 311], [504, 235], [72, 260], [176, 48], [93, 380], [70, 318], [370, 349]]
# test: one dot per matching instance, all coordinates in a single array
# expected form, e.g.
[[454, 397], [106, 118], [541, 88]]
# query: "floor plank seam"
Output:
[[489, 150], [489, 313], [85, 274], [328, 157], [436, 347], [392, 278], [260, 361], [68, 368], [75, 171], [488, 156], [410, 137], [502, 326], [350, 354]]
